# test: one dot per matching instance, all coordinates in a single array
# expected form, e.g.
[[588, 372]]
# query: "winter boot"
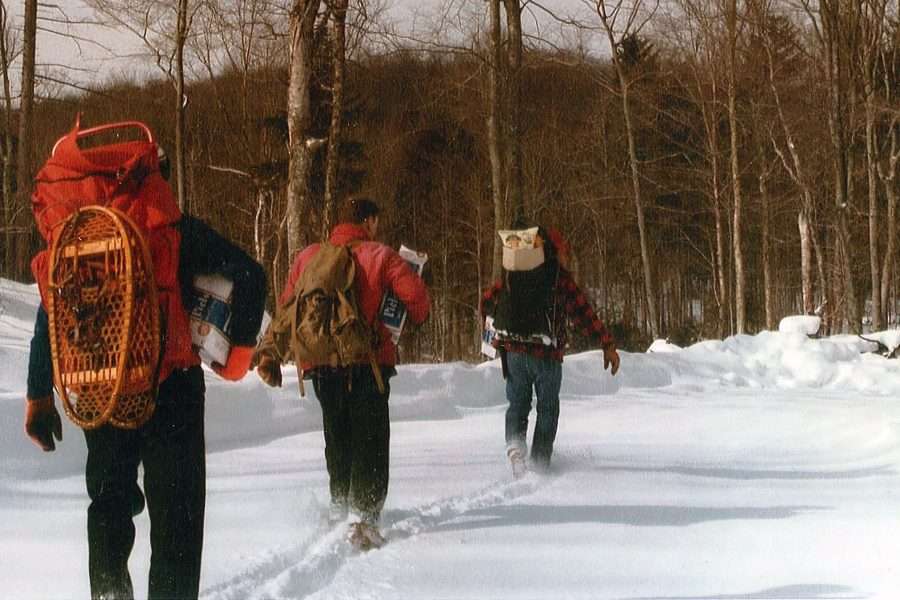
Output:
[[516, 457], [365, 536]]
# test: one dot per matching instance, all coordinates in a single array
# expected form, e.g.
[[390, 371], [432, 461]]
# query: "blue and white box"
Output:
[[393, 311]]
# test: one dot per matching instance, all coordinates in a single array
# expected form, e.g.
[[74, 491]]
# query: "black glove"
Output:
[[42, 423]]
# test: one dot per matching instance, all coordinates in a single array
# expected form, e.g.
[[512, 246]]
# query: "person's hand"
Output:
[[42, 423], [239, 360], [269, 370], [610, 358]]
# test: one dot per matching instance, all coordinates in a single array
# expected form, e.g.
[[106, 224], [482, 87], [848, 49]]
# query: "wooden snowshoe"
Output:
[[364, 537], [104, 320]]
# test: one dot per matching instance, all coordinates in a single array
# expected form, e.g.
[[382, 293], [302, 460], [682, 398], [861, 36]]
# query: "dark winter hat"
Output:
[[359, 208]]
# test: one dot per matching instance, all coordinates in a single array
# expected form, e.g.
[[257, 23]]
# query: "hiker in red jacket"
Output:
[[354, 409]]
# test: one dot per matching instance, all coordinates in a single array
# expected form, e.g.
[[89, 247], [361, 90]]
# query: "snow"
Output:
[[761, 466], [806, 324], [663, 346]]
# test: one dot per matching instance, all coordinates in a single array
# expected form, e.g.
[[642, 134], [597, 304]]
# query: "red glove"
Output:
[[239, 360], [610, 358], [42, 423]]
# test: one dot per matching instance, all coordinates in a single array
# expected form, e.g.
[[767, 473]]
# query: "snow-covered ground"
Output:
[[755, 467]]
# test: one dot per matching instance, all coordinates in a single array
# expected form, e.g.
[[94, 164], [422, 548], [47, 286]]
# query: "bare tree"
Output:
[[301, 145], [832, 22], [700, 42], [740, 300], [9, 48], [616, 33], [495, 131], [164, 28], [513, 141], [338, 21], [25, 166], [872, 22], [889, 57]]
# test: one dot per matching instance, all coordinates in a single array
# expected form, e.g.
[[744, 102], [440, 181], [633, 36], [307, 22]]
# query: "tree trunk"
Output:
[[513, 139], [9, 200], [495, 137], [872, 180], [652, 317], [737, 225], [768, 281], [838, 88], [806, 257], [889, 179], [339, 61], [649, 287], [795, 169], [26, 141], [300, 147], [181, 104]]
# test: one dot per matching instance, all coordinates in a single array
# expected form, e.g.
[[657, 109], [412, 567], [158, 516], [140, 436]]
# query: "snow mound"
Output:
[[663, 346], [805, 324]]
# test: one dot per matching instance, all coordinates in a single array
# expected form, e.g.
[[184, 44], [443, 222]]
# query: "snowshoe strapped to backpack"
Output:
[[109, 277]]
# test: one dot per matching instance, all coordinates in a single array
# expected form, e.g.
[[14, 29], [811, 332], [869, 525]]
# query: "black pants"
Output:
[[172, 449], [357, 437]]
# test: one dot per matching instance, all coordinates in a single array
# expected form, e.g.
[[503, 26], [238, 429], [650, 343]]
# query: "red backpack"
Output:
[[109, 277]]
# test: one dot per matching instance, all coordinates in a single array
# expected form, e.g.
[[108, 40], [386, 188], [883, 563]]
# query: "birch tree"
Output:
[[621, 23]]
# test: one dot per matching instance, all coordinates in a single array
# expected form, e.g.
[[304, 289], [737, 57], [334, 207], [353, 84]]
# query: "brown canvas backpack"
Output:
[[322, 323]]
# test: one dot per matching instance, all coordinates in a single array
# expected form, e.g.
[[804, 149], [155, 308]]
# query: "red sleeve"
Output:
[[408, 286], [296, 269], [489, 299], [581, 315]]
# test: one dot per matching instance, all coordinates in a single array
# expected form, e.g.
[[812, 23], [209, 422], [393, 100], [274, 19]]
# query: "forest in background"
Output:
[[728, 164]]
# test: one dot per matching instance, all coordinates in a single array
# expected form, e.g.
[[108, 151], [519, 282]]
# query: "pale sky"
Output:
[[93, 54]]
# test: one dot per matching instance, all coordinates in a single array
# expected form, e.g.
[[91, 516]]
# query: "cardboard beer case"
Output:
[[210, 318], [393, 311]]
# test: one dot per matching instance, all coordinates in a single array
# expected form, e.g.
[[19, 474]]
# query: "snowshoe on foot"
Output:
[[517, 462], [365, 536]]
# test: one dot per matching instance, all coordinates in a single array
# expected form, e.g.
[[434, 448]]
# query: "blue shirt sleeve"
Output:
[[40, 365]]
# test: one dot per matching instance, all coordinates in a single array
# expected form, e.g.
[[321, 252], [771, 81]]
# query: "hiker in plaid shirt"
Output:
[[532, 310]]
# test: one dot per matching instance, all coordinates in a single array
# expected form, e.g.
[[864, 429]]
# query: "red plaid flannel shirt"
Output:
[[575, 309]]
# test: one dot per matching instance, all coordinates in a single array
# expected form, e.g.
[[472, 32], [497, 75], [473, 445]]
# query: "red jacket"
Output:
[[379, 268]]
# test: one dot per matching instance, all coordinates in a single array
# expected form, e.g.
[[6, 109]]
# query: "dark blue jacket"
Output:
[[203, 251]]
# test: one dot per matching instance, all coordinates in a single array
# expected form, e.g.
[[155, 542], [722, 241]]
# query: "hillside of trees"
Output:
[[754, 175]]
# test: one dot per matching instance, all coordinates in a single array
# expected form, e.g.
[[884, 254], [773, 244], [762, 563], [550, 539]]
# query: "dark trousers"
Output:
[[528, 376], [357, 437], [172, 449]]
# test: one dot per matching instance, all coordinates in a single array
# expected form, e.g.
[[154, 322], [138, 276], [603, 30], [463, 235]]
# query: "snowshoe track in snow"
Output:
[[311, 566]]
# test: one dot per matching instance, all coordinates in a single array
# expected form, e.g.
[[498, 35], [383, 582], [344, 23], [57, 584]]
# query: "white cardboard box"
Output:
[[210, 318], [393, 311]]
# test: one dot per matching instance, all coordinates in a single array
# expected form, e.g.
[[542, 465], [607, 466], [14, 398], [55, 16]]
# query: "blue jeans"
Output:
[[544, 376]]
